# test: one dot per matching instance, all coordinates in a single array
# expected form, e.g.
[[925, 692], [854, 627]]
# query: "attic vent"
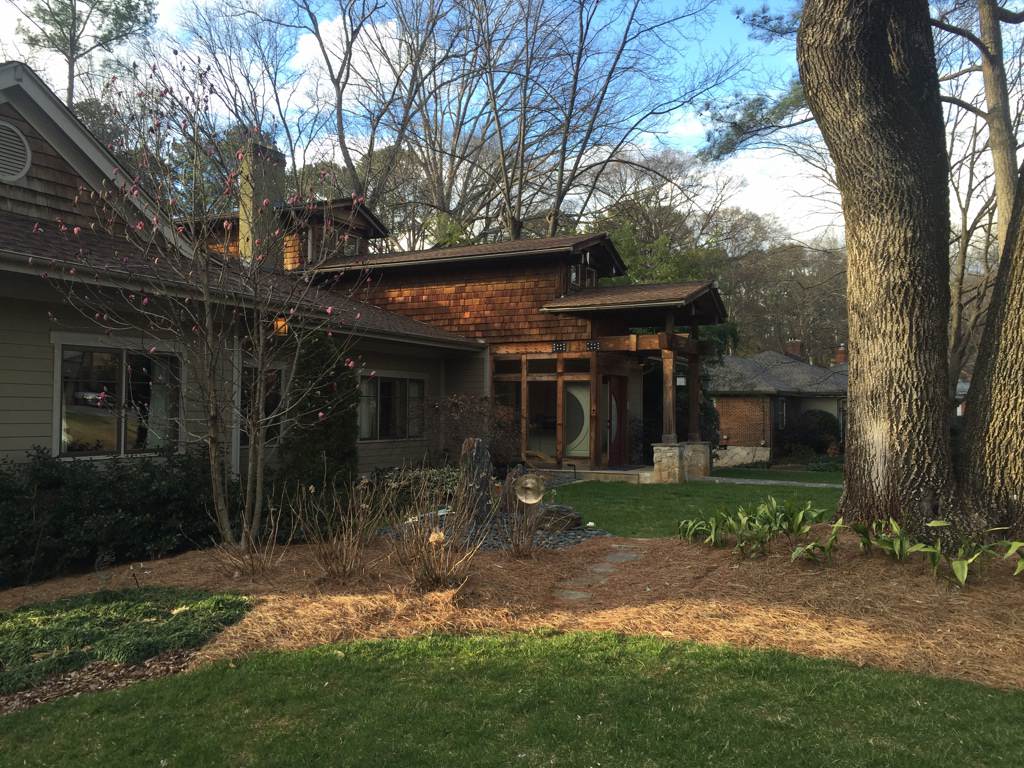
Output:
[[15, 156]]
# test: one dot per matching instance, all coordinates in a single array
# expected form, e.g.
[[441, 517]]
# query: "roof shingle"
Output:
[[773, 373]]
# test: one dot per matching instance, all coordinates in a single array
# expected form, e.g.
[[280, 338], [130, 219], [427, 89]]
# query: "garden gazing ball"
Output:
[[530, 489]]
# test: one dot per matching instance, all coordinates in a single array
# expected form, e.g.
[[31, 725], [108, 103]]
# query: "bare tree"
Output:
[[199, 280]]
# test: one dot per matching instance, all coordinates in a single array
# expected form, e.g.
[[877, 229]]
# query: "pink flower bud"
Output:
[[330, 310]]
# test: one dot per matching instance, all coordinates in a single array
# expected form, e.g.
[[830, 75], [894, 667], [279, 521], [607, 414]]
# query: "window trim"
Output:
[[378, 375], [76, 340]]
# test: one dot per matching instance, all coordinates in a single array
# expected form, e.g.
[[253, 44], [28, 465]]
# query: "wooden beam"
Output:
[[595, 411], [560, 411], [668, 396], [524, 411]]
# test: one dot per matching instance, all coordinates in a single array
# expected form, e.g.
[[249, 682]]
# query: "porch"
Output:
[[580, 403]]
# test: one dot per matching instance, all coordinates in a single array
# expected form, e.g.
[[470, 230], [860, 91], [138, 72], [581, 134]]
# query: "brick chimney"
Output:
[[840, 356], [261, 187], [794, 348]]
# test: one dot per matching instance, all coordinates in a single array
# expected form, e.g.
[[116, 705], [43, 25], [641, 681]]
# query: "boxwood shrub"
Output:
[[59, 517]]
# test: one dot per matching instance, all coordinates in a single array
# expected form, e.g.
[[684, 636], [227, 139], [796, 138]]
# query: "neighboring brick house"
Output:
[[758, 396]]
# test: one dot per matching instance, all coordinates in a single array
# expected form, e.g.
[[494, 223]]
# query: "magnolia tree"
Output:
[[206, 249]]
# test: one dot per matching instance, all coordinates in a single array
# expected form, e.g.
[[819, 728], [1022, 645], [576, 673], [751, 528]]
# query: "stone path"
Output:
[[758, 481], [576, 588]]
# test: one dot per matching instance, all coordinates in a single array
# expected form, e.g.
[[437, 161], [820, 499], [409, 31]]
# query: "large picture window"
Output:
[[116, 401], [391, 408]]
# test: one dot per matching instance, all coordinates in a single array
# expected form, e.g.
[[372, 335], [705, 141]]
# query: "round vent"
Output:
[[15, 156]]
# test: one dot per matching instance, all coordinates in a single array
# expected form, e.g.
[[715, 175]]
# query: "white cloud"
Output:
[[782, 186]]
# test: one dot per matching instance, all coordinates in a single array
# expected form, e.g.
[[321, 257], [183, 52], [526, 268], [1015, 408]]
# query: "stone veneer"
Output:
[[678, 462]]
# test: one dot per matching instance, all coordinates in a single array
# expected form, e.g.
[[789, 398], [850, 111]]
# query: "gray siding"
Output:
[[26, 378]]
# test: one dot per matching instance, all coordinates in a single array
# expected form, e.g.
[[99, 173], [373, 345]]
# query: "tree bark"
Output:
[[1001, 137], [869, 73], [992, 466]]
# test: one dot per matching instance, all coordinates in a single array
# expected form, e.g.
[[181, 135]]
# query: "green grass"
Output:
[[525, 700], [792, 475], [127, 626], [647, 511]]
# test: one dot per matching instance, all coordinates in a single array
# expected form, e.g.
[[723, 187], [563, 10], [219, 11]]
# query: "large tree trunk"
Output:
[[869, 73], [1001, 137], [992, 466]]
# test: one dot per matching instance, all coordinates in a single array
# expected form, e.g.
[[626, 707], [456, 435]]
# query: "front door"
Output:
[[618, 421]]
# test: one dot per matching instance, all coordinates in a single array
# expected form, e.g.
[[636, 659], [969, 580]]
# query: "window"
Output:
[[115, 402], [272, 389], [391, 408], [780, 412]]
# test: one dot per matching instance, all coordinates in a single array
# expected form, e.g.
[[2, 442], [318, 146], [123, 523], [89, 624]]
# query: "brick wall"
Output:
[[497, 302], [744, 420]]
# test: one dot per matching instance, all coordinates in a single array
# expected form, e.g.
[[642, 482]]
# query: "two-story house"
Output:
[[525, 323]]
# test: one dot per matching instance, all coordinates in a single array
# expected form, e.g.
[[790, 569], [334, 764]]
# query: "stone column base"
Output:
[[679, 462]]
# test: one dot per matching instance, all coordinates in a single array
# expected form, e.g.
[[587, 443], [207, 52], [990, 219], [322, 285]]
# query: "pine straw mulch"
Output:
[[864, 610]]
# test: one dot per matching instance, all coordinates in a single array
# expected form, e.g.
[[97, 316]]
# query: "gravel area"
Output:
[[496, 539]]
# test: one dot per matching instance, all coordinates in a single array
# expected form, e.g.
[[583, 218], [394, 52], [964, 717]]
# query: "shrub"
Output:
[[337, 523], [457, 417], [322, 438], [813, 431], [60, 517], [434, 533]]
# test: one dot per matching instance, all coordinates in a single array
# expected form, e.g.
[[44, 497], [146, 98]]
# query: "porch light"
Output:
[[280, 326]]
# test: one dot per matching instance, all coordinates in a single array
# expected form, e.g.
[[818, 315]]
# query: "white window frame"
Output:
[[61, 339], [378, 375]]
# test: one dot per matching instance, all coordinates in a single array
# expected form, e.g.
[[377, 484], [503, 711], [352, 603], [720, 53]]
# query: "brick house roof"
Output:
[[773, 373]]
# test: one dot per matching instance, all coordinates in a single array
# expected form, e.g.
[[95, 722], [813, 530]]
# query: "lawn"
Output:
[[647, 511], [791, 475], [127, 626], [525, 700]]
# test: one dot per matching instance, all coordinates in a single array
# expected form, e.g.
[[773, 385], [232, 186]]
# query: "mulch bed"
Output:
[[95, 676], [863, 610]]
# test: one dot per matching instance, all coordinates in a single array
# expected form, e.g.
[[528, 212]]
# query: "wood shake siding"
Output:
[[494, 302], [49, 189]]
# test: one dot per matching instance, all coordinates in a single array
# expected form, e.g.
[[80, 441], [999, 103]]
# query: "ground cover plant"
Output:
[[535, 699], [126, 626], [625, 509]]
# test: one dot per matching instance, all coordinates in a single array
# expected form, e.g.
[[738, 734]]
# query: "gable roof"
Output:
[[32, 246], [773, 373], [102, 259], [598, 245]]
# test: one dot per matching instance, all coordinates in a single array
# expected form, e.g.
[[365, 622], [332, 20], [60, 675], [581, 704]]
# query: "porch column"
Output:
[[595, 402], [693, 392], [668, 396], [524, 409]]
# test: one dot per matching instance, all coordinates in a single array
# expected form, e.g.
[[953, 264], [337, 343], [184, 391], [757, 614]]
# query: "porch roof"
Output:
[[694, 303]]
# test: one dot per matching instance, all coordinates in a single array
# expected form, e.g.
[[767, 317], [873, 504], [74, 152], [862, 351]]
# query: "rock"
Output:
[[559, 517]]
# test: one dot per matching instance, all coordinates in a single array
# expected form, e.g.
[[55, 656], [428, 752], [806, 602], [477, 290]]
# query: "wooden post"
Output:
[[668, 396], [524, 409], [560, 410], [595, 412]]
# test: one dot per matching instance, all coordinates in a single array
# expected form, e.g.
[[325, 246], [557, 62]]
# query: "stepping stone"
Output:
[[571, 594], [603, 568], [621, 557]]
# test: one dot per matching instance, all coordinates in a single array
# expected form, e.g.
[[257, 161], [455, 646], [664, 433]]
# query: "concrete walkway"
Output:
[[753, 481]]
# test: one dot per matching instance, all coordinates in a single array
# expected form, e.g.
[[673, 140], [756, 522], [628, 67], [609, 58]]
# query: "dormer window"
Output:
[[582, 276]]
